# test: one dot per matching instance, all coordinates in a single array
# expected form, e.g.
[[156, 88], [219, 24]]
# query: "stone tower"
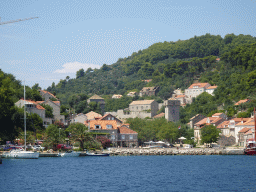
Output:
[[172, 110]]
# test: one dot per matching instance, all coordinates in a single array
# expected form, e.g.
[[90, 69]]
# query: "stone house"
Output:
[[149, 91], [119, 133], [182, 99], [79, 118], [34, 107], [147, 108], [239, 125], [243, 135], [127, 137], [97, 99], [214, 120], [194, 90], [56, 109], [195, 119], [46, 95]]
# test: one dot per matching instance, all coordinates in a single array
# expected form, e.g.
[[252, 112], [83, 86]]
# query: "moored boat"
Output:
[[251, 147], [20, 154], [70, 154]]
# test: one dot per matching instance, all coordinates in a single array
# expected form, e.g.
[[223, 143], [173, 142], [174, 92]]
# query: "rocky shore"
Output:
[[174, 151]]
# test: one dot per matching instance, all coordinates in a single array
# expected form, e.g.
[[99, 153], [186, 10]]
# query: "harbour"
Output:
[[130, 173]]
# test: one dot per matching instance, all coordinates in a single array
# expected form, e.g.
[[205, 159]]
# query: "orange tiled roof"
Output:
[[200, 85], [103, 124], [93, 115], [240, 119], [35, 103], [48, 93], [248, 132], [212, 87], [223, 125], [242, 101], [179, 96], [125, 130], [159, 115], [217, 114], [244, 130]]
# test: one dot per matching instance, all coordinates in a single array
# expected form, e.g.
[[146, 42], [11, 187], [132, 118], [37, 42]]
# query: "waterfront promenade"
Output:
[[176, 151]]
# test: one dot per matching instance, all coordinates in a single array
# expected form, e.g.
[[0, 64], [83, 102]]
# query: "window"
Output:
[[113, 137], [131, 137], [97, 126], [113, 118], [123, 137], [109, 118], [137, 107], [109, 126], [141, 107]]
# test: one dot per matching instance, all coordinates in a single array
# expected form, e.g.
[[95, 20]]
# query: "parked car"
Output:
[[38, 147], [64, 147]]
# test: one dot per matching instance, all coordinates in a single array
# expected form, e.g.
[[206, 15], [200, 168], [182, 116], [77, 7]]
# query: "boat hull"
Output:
[[250, 152], [70, 154], [97, 155], [21, 155]]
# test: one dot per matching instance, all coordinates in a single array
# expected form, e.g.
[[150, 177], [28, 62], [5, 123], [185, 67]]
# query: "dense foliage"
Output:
[[210, 134]]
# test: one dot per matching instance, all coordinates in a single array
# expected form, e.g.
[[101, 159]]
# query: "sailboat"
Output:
[[20, 153]]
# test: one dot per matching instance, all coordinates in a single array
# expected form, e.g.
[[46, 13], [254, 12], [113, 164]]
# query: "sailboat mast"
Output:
[[25, 116]]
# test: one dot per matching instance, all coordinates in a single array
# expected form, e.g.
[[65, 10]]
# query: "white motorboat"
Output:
[[70, 154]]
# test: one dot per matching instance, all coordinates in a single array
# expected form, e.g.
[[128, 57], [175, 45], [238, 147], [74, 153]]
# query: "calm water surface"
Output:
[[132, 173]]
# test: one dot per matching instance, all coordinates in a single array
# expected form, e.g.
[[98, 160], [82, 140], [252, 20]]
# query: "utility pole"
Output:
[[17, 20]]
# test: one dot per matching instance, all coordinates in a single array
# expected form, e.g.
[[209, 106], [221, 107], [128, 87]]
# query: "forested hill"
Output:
[[169, 64]]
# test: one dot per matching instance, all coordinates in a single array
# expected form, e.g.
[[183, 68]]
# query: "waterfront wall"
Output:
[[175, 151]]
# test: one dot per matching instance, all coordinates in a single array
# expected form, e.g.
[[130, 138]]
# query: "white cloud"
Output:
[[75, 66]]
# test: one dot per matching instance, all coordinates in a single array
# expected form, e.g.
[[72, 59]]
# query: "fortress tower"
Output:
[[172, 109]]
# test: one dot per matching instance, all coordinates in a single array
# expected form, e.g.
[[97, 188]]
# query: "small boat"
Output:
[[96, 154], [70, 154], [251, 147]]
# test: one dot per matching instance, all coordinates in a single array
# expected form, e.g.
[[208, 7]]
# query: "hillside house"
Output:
[[46, 95], [242, 101], [244, 135], [56, 109], [144, 108], [195, 119], [34, 107], [194, 90], [116, 96], [211, 89], [97, 99], [149, 91], [181, 98], [215, 120], [132, 94]]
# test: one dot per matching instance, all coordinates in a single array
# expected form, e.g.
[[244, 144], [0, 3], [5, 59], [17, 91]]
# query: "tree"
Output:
[[80, 73], [210, 134], [48, 110], [53, 136], [105, 142], [79, 132]]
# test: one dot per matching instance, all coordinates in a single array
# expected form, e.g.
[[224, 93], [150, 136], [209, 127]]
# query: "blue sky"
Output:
[[74, 34]]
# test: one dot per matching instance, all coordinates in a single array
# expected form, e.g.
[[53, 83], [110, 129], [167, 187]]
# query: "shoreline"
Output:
[[174, 151]]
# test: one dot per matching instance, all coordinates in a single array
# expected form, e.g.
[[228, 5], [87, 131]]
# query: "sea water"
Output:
[[130, 173]]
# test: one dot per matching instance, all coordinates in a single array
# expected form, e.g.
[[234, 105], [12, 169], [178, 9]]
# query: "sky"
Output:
[[72, 34]]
